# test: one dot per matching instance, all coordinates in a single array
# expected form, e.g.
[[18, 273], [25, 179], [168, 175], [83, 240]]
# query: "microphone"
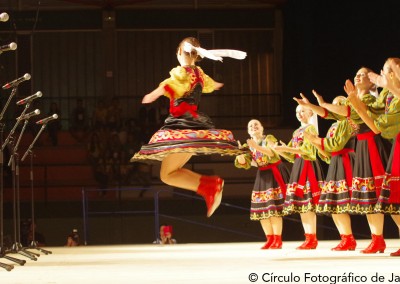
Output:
[[16, 82], [4, 17], [7, 47], [30, 98], [29, 115], [47, 119]]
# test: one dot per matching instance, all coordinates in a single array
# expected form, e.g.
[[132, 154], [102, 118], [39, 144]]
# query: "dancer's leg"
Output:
[[336, 220], [375, 222], [209, 187], [173, 173], [276, 223], [267, 226], [268, 231], [396, 219], [343, 223], [309, 221]]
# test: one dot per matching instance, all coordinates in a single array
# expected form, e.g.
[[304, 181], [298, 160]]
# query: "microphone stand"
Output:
[[15, 151], [17, 247], [33, 244], [2, 248]]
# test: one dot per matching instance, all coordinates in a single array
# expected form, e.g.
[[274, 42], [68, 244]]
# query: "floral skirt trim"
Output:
[[196, 142], [293, 208], [334, 199], [266, 204], [383, 205], [168, 135], [295, 204], [256, 216], [364, 196]]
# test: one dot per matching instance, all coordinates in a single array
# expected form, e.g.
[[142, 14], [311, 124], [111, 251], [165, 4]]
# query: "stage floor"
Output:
[[206, 263]]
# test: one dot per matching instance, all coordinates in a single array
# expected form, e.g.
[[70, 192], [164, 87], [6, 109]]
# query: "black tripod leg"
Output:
[[28, 255], [30, 252], [3, 254], [44, 251], [17, 248], [40, 249], [7, 267], [16, 260]]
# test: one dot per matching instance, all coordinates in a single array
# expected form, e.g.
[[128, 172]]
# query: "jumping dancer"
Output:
[[186, 131]]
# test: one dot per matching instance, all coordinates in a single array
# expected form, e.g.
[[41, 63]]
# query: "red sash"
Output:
[[182, 108], [277, 175], [348, 171], [308, 172], [375, 160], [395, 184]]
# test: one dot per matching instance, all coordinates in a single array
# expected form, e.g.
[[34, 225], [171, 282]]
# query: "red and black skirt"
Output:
[[268, 195], [188, 134], [335, 193], [389, 199], [368, 172], [304, 187]]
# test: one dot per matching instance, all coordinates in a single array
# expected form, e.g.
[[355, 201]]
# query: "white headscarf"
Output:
[[215, 54], [314, 121]]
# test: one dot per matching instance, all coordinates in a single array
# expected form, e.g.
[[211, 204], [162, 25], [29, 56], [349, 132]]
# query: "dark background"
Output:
[[324, 43]]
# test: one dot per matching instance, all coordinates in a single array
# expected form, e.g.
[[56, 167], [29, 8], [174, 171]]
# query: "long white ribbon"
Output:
[[314, 121], [215, 54]]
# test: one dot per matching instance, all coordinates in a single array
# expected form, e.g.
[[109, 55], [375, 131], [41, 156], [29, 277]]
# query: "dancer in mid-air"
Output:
[[186, 131]]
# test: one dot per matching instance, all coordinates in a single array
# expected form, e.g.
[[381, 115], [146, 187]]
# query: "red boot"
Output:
[[340, 244], [270, 240], [311, 242], [396, 253], [210, 188], [377, 245], [277, 243], [348, 243]]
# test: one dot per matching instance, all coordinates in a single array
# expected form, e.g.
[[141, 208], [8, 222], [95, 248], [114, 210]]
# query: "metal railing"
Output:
[[155, 212]]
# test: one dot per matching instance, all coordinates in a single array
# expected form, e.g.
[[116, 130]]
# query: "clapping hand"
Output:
[[319, 98], [251, 143]]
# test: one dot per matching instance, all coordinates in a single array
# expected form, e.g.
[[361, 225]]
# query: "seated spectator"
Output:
[[28, 230], [165, 236], [79, 121], [99, 116], [73, 239]]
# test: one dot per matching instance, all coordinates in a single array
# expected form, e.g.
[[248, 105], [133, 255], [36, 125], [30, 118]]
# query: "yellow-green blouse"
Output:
[[386, 114], [337, 137], [182, 79], [259, 158], [309, 151], [367, 99]]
